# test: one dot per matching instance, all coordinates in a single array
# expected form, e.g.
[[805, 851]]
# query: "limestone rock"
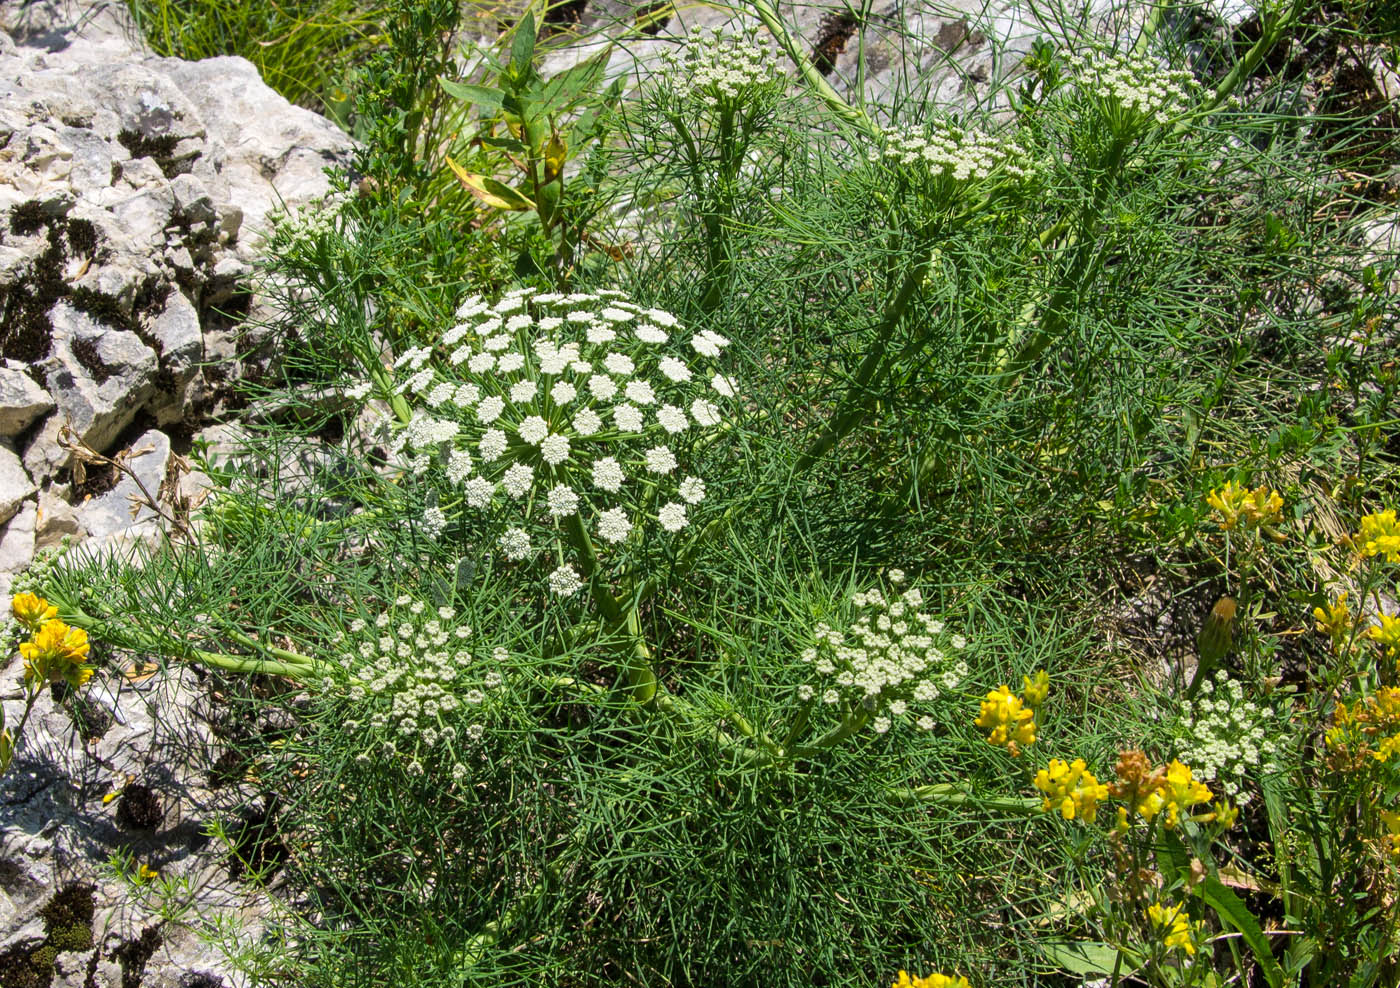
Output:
[[99, 376], [21, 401], [112, 513], [17, 539], [15, 485]]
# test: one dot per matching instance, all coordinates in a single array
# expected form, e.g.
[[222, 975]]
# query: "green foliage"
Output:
[[304, 49], [1017, 355]]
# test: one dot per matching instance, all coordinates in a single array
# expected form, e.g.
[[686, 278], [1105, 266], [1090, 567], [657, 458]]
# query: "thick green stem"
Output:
[[293, 665], [637, 664], [861, 395], [945, 794], [813, 78]]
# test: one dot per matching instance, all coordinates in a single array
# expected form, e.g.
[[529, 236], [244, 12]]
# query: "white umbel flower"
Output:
[[515, 543], [672, 516], [614, 526], [565, 581]]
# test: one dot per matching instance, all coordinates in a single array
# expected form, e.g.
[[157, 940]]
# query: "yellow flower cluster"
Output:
[[1009, 718], [1380, 536], [1370, 726], [1179, 933], [1334, 619], [55, 652], [1387, 633], [1070, 789], [1177, 791], [934, 980], [1165, 791], [1391, 838], [1256, 508]]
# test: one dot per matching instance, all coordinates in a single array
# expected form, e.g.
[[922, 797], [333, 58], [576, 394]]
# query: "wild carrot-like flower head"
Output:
[[555, 410], [718, 69], [944, 151], [1137, 86], [892, 657]]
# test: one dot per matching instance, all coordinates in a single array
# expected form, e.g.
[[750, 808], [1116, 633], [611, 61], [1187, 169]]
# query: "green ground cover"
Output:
[[763, 541]]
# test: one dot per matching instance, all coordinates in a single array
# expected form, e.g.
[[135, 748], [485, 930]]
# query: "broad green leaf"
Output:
[[495, 194], [573, 83], [476, 95], [1088, 957], [1233, 911], [522, 49]]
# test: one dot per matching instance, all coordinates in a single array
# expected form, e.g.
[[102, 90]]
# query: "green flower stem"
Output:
[[1276, 27], [285, 663], [946, 794], [1086, 260], [637, 665], [814, 79], [492, 932], [849, 726], [860, 394]]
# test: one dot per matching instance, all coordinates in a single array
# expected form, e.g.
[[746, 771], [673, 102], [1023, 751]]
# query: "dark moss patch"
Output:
[[28, 218], [86, 352], [68, 916], [833, 32], [652, 18], [201, 979], [28, 964], [139, 808], [159, 149], [67, 926], [133, 955], [106, 309], [82, 237], [26, 333], [151, 297], [91, 719], [563, 16]]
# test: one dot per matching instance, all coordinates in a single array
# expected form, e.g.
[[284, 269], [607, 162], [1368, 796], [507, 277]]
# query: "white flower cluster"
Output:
[[412, 670], [1139, 85], [892, 654], [945, 150], [1224, 736], [563, 406], [715, 67]]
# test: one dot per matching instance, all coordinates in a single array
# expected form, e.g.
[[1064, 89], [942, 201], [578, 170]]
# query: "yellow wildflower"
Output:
[[1227, 502], [1335, 618], [1036, 689], [1177, 928], [32, 611], [1262, 508], [1387, 633], [1070, 789], [145, 873], [1010, 721], [1391, 838], [1178, 790], [1371, 721], [1380, 536], [934, 980], [57, 652], [1257, 508]]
